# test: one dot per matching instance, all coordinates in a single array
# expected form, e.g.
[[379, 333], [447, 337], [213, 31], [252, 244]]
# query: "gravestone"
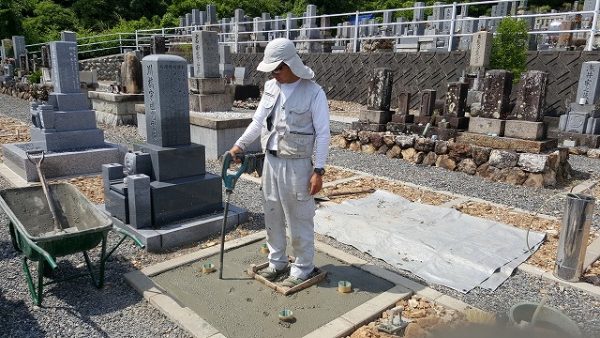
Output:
[[496, 94], [225, 66], [438, 14], [427, 103], [3, 55], [158, 44], [19, 48], [379, 94], [64, 126], [195, 19], [181, 21], [205, 54], [131, 74], [481, 47], [531, 97], [402, 114], [588, 87], [188, 19], [68, 36], [456, 99], [211, 14], [208, 91], [170, 185], [45, 50]]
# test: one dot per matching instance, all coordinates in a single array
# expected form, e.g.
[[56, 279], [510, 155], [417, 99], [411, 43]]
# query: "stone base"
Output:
[[185, 232], [375, 116], [60, 141], [218, 131], [457, 122], [60, 164], [443, 134], [206, 85], [210, 102], [486, 126], [524, 130], [115, 109], [403, 118], [395, 127], [592, 141], [363, 125], [508, 143], [423, 120]]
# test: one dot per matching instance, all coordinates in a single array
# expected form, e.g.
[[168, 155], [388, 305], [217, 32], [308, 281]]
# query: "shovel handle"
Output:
[[46, 189], [229, 180]]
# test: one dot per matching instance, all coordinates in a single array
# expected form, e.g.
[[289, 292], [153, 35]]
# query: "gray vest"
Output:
[[293, 124]]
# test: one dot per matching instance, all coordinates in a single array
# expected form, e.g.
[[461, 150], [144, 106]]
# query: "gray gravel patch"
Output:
[[78, 309]]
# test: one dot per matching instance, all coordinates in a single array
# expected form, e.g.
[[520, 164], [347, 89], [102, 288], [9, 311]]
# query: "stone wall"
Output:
[[108, 66], [344, 76], [532, 170]]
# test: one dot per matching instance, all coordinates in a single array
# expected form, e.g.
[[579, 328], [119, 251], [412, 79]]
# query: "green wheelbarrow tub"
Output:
[[83, 224], [33, 234]]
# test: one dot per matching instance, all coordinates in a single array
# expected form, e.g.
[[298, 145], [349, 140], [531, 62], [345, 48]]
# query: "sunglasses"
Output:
[[279, 68]]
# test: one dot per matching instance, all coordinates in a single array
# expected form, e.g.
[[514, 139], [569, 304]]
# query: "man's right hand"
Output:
[[234, 151]]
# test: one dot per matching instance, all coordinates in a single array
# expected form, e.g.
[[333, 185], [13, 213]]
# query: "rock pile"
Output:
[[527, 169]]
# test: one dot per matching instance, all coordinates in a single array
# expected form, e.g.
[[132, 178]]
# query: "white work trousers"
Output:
[[287, 201]]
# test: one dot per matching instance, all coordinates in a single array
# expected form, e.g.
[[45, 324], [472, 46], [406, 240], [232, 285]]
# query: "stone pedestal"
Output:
[[365, 125], [218, 131], [486, 126], [526, 130], [115, 109], [375, 116], [508, 143]]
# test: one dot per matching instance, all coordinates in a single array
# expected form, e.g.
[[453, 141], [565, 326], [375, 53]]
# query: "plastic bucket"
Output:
[[548, 318]]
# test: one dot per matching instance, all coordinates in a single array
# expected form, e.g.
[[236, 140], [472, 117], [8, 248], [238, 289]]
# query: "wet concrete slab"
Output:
[[239, 306]]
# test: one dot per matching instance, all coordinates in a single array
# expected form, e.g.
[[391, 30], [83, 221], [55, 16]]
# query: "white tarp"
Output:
[[440, 245]]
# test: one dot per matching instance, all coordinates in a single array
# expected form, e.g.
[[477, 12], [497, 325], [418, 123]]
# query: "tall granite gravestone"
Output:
[[491, 119], [18, 44], [481, 47], [64, 126], [207, 87], [456, 102], [131, 74], [225, 66], [158, 44], [379, 94], [68, 36], [496, 94], [584, 114], [163, 192], [526, 119]]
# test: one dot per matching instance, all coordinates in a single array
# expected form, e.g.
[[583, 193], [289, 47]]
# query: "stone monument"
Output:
[[582, 121], [207, 88], [526, 119], [379, 94], [163, 192], [495, 104], [63, 127], [119, 108], [18, 44]]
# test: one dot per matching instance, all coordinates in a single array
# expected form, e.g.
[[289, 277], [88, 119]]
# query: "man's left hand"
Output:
[[316, 183]]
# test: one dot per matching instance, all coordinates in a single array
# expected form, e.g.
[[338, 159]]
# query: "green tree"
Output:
[[11, 16], [48, 21], [509, 46]]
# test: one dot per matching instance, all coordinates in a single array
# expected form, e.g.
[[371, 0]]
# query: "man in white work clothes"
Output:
[[292, 120]]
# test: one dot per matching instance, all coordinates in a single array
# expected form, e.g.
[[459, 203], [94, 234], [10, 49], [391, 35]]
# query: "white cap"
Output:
[[283, 50]]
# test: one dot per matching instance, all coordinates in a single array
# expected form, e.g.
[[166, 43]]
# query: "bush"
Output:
[[35, 76], [509, 47]]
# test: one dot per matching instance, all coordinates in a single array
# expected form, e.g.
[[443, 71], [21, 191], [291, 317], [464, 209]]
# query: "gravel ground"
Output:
[[77, 309]]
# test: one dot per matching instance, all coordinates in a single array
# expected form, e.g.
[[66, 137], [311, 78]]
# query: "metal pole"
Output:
[[356, 32], [288, 23], [137, 40], [590, 43], [120, 44], [452, 25]]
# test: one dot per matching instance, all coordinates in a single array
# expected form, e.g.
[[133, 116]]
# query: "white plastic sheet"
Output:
[[440, 245]]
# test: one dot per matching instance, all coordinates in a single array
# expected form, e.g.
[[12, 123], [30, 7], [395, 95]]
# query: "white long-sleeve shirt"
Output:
[[320, 117]]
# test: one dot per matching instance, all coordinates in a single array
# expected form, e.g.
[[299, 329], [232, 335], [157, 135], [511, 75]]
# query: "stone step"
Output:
[[498, 142]]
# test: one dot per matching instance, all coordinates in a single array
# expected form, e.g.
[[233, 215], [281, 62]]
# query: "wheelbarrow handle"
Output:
[[40, 251], [130, 235], [229, 180]]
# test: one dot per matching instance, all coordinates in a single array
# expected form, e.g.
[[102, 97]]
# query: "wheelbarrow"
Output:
[[33, 231]]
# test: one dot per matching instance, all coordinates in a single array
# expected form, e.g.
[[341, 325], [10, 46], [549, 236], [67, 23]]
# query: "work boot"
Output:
[[270, 273], [292, 281]]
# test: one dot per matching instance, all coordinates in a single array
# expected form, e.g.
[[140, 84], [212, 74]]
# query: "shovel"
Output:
[[47, 193]]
